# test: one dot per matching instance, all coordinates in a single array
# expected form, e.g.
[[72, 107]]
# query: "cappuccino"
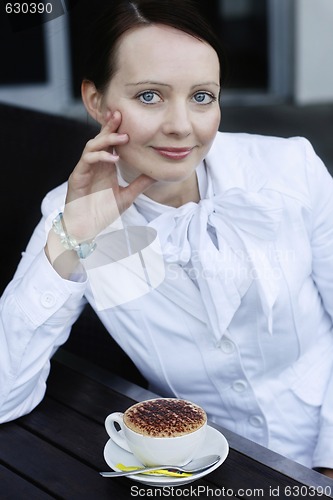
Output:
[[165, 418]]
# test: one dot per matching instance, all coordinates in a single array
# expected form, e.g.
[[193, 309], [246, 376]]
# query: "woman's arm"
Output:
[[46, 295], [320, 184], [37, 311]]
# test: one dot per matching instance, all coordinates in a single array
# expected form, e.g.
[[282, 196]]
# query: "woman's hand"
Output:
[[94, 198], [327, 472]]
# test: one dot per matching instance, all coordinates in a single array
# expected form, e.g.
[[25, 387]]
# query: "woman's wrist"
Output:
[[82, 248], [65, 262]]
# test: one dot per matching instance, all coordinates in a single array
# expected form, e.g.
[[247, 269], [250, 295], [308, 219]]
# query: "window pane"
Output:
[[22, 54]]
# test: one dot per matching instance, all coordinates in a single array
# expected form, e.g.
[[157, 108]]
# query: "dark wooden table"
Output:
[[57, 450]]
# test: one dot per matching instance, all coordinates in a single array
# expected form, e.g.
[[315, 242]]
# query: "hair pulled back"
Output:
[[124, 15]]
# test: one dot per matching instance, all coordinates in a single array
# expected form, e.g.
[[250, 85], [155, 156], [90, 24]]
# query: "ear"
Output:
[[92, 100]]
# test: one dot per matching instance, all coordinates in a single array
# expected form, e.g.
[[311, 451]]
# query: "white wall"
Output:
[[313, 51]]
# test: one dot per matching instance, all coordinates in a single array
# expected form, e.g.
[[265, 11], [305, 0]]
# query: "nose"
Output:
[[177, 120]]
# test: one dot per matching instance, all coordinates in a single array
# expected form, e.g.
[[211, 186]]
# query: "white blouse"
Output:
[[241, 322]]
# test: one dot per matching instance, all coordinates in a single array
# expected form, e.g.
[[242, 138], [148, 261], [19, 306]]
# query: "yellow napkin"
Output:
[[163, 472]]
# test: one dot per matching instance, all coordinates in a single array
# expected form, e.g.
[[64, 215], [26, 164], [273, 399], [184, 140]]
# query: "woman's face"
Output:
[[166, 88]]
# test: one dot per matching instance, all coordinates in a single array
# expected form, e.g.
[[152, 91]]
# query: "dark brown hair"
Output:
[[124, 15]]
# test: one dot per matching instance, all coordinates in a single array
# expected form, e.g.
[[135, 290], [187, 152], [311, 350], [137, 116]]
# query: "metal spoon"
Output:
[[197, 465]]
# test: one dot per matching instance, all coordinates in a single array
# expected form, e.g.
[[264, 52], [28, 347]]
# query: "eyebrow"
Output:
[[150, 82], [146, 82]]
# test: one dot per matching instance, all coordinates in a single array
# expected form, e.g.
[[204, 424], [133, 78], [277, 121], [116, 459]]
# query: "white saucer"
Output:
[[215, 443]]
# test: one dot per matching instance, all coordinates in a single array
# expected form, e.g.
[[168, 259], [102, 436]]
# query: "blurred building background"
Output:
[[279, 76]]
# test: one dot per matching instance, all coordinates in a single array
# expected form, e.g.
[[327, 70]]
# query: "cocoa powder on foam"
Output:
[[164, 417]]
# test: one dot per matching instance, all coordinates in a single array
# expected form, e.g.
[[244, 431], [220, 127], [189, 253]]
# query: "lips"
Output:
[[174, 153]]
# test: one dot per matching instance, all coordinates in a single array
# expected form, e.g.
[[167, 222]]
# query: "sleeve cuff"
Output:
[[323, 455], [42, 292]]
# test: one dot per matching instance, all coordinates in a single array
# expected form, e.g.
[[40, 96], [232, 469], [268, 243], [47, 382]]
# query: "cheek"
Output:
[[140, 133], [139, 127], [209, 127], [215, 122]]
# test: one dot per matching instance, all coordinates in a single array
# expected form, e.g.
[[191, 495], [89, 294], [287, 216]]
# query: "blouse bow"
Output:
[[225, 243]]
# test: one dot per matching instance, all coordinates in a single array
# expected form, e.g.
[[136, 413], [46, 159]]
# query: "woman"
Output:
[[239, 317]]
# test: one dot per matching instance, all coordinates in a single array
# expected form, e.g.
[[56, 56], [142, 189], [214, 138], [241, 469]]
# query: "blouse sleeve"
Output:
[[37, 310], [321, 189], [321, 186]]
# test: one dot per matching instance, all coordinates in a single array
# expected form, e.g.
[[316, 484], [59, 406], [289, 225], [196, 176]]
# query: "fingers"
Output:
[[108, 135], [100, 156], [105, 142], [112, 122], [101, 147], [138, 186]]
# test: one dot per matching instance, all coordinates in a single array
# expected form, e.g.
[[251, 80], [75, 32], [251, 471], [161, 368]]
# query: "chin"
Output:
[[163, 171], [174, 177], [176, 172]]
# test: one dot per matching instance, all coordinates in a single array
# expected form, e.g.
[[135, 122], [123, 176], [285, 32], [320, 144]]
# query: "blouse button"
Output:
[[239, 385], [227, 347], [256, 420], [48, 300]]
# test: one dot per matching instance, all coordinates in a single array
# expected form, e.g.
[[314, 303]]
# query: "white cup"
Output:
[[152, 450]]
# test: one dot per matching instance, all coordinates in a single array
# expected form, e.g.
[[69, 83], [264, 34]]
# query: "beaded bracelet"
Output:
[[83, 249]]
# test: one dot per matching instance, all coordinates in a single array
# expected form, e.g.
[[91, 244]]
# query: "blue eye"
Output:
[[204, 98], [149, 97]]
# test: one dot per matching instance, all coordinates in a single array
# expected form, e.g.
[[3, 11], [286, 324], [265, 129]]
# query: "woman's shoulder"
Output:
[[260, 148], [288, 165]]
